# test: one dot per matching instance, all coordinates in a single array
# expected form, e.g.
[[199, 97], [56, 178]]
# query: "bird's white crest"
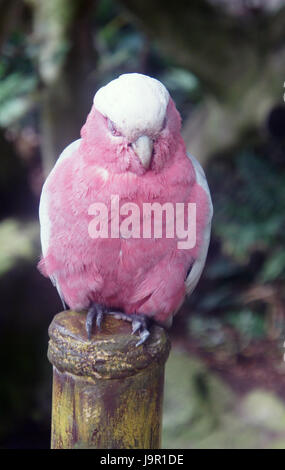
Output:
[[135, 103]]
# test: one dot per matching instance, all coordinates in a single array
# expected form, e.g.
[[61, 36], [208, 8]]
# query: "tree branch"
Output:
[[217, 47]]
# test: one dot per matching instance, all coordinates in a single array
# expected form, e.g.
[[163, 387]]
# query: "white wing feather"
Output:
[[45, 221], [197, 268]]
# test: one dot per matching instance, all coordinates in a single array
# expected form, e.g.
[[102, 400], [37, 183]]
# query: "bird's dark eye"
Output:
[[113, 129]]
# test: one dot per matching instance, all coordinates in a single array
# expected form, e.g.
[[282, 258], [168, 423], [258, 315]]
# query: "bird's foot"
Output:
[[139, 323], [95, 311]]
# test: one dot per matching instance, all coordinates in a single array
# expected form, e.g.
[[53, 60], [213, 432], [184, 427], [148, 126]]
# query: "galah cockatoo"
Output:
[[131, 153]]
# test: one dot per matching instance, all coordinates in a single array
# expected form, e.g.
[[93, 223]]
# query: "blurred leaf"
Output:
[[209, 330], [180, 79], [248, 202], [14, 100], [17, 242], [250, 324], [219, 297], [106, 10], [222, 268], [274, 267]]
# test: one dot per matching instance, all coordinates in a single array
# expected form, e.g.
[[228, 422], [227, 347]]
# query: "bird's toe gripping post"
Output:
[[139, 322], [95, 311]]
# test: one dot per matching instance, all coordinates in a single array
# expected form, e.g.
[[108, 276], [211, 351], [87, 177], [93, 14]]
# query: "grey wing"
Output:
[[198, 266]]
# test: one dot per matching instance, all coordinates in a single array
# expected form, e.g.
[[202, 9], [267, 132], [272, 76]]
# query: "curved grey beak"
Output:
[[143, 147]]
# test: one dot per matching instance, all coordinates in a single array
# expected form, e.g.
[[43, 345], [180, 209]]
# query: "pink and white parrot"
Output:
[[130, 147]]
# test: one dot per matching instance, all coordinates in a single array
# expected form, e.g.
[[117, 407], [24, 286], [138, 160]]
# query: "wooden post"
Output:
[[107, 393]]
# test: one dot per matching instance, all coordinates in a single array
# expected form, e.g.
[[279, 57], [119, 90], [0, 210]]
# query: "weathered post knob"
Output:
[[107, 393]]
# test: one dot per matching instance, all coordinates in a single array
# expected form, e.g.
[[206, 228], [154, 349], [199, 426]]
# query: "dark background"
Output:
[[223, 63]]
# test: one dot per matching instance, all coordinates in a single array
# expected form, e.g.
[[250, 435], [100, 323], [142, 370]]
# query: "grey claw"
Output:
[[89, 321], [99, 319], [95, 310], [143, 337], [136, 324], [139, 322]]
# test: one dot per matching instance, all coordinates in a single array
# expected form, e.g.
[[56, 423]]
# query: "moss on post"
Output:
[[107, 393]]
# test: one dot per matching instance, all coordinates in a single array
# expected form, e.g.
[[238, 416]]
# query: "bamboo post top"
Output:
[[110, 354], [91, 411]]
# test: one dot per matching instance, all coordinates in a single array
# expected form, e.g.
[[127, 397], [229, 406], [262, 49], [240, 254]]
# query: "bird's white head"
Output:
[[135, 106]]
